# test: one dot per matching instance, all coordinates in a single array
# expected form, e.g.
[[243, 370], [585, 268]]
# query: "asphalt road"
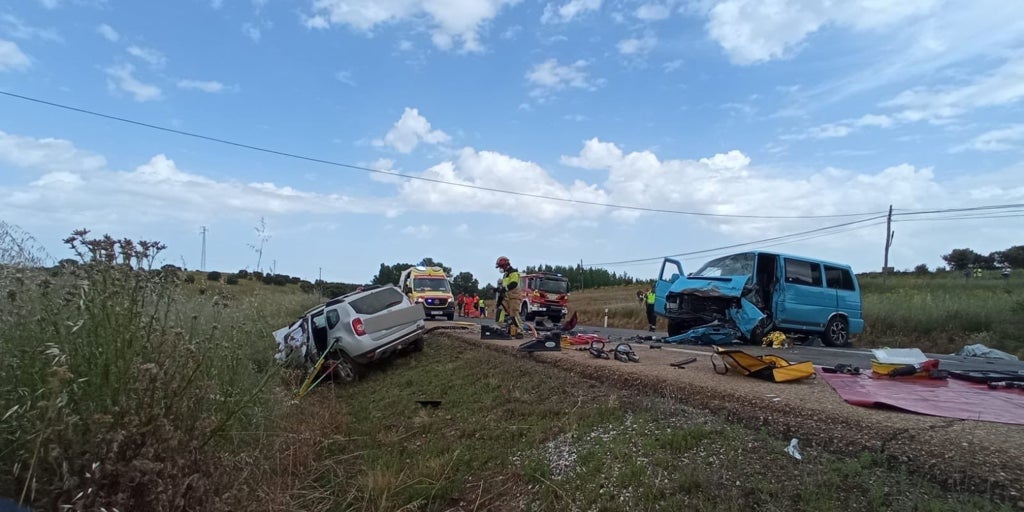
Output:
[[824, 356]]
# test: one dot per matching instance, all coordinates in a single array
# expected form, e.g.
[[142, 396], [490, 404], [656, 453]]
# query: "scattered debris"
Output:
[[794, 450], [980, 350]]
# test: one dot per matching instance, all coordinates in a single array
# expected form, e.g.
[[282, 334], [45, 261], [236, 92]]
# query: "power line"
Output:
[[420, 178], [989, 212], [733, 246]]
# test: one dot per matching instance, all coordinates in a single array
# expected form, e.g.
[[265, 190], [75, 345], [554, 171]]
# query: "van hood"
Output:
[[731, 286]]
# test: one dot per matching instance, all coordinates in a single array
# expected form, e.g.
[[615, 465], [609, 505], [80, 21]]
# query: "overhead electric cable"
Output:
[[421, 178]]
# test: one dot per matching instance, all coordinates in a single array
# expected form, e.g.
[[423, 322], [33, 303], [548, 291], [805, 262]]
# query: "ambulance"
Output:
[[429, 286]]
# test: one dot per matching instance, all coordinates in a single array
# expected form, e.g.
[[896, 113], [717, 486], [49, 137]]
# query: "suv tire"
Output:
[[347, 370]]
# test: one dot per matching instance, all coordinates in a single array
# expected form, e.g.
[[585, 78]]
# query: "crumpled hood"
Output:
[[710, 286]]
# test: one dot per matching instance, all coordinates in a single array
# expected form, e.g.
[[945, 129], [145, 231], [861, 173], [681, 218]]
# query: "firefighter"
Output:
[[512, 295], [651, 319]]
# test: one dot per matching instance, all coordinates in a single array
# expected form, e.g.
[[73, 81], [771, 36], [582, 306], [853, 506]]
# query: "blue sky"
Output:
[[736, 107]]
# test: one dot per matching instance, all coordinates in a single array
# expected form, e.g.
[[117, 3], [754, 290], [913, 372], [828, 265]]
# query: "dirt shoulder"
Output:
[[959, 454]]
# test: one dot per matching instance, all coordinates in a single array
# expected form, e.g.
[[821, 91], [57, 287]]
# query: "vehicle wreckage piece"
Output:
[[715, 333], [550, 342]]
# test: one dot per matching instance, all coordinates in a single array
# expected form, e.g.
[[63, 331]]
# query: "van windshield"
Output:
[[732, 265], [553, 286], [430, 284]]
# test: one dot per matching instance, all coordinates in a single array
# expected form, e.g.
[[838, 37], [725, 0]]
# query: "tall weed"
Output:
[[121, 387]]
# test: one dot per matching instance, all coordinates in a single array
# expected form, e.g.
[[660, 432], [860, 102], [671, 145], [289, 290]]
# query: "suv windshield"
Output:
[[430, 284], [732, 265], [553, 286]]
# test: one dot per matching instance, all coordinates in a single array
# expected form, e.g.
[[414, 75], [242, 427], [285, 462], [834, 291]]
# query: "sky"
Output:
[[764, 117]]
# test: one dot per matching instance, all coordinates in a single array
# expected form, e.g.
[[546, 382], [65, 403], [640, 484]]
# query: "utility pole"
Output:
[[888, 241], [581, 275], [202, 260]]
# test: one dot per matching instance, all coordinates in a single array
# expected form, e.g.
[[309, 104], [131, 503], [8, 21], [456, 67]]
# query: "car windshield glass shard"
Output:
[[732, 265], [553, 286], [377, 301], [430, 284]]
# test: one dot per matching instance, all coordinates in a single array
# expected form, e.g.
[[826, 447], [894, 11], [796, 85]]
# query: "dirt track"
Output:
[[965, 455]]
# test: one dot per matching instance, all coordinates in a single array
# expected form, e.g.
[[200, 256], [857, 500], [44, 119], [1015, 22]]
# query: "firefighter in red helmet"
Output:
[[509, 294]]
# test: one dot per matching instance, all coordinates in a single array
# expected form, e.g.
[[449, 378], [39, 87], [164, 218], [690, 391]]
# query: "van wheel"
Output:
[[837, 332], [347, 370], [759, 331]]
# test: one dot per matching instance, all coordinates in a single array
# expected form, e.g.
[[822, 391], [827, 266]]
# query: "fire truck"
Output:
[[544, 295]]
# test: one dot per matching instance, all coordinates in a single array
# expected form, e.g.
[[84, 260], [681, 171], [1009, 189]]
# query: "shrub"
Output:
[[232, 280], [190, 279], [213, 276], [921, 269], [243, 274]]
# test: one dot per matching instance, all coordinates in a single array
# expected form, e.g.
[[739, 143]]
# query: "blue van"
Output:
[[759, 292]]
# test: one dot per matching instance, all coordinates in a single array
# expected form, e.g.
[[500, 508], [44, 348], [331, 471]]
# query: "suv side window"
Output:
[[333, 317], [803, 272], [838, 278]]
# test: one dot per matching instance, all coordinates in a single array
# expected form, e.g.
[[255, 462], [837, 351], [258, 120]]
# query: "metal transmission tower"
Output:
[[202, 260]]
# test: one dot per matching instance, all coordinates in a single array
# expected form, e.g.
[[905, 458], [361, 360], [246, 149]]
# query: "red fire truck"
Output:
[[544, 295]]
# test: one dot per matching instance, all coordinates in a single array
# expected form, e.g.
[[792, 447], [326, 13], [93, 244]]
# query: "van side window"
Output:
[[838, 278], [803, 272]]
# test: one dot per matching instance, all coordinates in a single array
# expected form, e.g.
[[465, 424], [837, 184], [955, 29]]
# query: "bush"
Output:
[[232, 279], [213, 276], [921, 269], [243, 274], [190, 279]]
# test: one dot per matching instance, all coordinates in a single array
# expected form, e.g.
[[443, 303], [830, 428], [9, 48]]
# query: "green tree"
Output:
[[213, 276], [960, 259], [1013, 257], [389, 274], [465, 283], [921, 269]]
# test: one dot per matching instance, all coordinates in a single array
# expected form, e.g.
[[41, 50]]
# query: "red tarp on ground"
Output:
[[950, 398]]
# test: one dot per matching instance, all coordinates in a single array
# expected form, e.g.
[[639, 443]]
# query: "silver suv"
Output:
[[355, 330]]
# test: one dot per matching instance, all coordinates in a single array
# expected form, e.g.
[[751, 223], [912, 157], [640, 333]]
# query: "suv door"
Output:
[[801, 299]]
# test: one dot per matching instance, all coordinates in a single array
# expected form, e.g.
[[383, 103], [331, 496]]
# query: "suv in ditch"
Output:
[[544, 295], [356, 329]]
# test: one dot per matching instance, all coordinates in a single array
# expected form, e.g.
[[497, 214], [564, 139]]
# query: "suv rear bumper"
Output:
[[389, 349]]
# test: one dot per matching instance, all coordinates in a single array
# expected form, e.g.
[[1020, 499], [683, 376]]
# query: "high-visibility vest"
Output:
[[650, 297]]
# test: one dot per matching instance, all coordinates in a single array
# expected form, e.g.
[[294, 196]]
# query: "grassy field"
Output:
[[554, 441], [936, 312], [142, 391]]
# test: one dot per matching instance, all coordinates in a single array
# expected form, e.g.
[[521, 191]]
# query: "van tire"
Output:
[[837, 332]]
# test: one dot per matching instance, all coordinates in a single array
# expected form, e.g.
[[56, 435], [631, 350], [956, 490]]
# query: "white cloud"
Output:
[[672, 65], [318, 22], [753, 31], [152, 57], [108, 33], [634, 46], [122, 77], [421, 232], [1002, 139], [652, 12], [595, 155], [345, 77], [252, 32], [1003, 86], [383, 164], [569, 10], [845, 127], [201, 85], [409, 131], [550, 76], [12, 58], [450, 20], [49, 155], [18, 29]]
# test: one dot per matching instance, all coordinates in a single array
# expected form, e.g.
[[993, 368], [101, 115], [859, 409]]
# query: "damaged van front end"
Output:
[[695, 302]]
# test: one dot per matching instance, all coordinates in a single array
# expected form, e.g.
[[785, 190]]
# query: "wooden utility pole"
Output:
[[888, 241], [581, 275]]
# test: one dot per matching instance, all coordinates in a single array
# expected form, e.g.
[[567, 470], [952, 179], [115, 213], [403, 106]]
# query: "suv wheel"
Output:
[[347, 370], [837, 332]]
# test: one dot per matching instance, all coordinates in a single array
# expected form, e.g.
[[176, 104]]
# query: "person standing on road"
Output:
[[459, 301], [510, 285], [651, 319]]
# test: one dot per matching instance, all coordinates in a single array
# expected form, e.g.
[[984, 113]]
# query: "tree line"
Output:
[[962, 259]]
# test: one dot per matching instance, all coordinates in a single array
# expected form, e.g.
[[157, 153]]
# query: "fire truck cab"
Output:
[[544, 295], [429, 286]]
